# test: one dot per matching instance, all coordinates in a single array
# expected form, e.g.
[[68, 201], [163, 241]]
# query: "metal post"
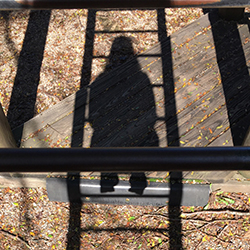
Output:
[[6, 137]]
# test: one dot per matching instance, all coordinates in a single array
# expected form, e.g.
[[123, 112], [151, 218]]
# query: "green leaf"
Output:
[[219, 193], [229, 200], [50, 235], [223, 201], [139, 246], [206, 207], [160, 240], [131, 218]]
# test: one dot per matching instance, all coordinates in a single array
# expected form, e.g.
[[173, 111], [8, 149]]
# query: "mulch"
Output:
[[30, 221]]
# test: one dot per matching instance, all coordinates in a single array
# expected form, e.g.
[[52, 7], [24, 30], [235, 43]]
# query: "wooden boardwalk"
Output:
[[192, 90]]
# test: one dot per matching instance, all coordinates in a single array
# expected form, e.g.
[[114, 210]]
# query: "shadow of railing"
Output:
[[74, 228], [234, 74], [24, 92], [175, 195], [106, 115]]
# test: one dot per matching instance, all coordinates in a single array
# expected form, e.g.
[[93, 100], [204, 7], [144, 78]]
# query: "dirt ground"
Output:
[[30, 221]]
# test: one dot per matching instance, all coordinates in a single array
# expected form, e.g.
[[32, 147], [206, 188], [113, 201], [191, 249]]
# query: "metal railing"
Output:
[[124, 159]]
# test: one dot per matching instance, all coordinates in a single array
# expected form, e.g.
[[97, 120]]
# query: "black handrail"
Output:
[[124, 159]]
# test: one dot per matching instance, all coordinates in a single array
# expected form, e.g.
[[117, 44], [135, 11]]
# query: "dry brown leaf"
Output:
[[247, 235]]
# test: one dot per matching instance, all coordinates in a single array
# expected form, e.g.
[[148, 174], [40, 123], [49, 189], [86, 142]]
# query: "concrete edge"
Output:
[[237, 183]]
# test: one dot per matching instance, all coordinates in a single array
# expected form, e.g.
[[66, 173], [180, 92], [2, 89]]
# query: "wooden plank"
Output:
[[41, 139], [225, 140], [246, 142], [210, 176]]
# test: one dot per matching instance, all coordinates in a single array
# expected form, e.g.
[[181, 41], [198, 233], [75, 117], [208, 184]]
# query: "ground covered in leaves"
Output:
[[28, 220]]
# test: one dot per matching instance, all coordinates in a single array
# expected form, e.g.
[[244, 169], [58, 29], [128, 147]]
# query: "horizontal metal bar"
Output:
[[154, 193], [124, 159], [97, 4]]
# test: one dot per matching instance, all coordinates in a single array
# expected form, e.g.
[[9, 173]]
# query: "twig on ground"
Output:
[[217, 212], [15, 237], [208, 234]]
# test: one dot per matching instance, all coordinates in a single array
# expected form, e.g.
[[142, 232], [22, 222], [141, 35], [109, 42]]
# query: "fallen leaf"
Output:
[[247, 234]]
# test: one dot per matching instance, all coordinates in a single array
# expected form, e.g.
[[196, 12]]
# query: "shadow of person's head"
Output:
[[121, 51]]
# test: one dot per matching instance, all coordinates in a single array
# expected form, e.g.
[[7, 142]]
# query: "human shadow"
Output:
[[24, 92], [118, 109], [234, 74], [117, 106]]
